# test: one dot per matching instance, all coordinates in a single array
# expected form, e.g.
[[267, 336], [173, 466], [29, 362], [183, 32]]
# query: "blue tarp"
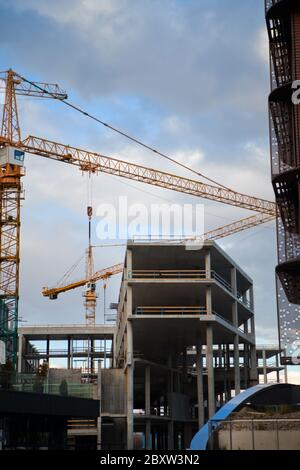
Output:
[[200, 440]]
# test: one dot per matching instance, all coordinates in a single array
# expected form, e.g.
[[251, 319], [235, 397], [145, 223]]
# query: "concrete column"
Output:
[[286, 380], [99, 420], [71, 352], [148, 443], [246, 365], [252, 325], [170, 390], [252, 319], [208, 301], [128, 268], [208, 264], [277, 372], [47, 348], [177, 374], [130, 385], [236, 352], [68, 359], [233, 281], [147, 390], [265, 366], [21, 342], [178, 383], [187, 435], [224, 372], [88, 363], [171, 375], [253, 366], [104, 354], [129, 301], [171, 435], [184, 365], [220, 356], [200, 397], [228, 386], [234, 311], [92, 350], [210, 371], [114, 351], [251, 299], [237, 375]]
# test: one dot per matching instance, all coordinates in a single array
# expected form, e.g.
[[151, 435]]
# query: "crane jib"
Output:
[[90, 161]]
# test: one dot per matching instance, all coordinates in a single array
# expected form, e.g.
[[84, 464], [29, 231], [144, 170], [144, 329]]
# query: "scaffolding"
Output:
[[11, 195]]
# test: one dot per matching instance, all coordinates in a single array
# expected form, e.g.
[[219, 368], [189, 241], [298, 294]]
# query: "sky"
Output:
[[189, 77]]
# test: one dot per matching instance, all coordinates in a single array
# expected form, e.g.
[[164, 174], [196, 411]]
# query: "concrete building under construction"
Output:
[[183, 344]]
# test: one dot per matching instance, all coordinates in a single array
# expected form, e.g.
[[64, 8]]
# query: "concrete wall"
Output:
[[243, 439], [114, 434], [113, 391], [179, 405]]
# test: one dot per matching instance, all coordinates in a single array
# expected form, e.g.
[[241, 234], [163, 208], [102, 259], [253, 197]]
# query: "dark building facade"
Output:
[[283, 23], [35, 421]]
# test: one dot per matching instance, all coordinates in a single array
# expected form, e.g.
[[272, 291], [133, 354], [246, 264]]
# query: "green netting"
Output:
[[35, 384], [8, 327]]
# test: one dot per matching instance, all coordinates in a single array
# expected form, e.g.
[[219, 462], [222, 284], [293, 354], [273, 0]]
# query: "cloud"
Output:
[[261, 46], [169, 51], [82, 14], [174, 124]]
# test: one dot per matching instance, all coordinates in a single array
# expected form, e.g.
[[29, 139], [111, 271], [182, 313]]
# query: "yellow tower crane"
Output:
[[90, 291], [11, 194], [12, 151], [103, 274]]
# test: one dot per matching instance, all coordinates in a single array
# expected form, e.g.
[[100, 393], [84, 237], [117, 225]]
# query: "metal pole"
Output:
[[200, 396], [277, 435], [68, 359], [265, 366], [130, 386], [99, 420], [71, 352], [20, 352], [285, 370], [210, 371]]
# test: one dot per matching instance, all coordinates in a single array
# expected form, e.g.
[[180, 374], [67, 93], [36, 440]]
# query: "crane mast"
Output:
[[90, 294], [10, 200], [11, 194]]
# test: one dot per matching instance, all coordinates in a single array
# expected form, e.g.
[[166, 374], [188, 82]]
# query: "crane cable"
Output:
[[70, 271], [118, 131], [104, 299]]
